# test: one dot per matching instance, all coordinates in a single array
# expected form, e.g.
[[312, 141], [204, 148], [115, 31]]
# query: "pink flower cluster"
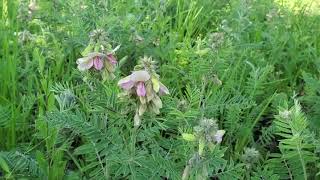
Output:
[[96, 60], [144, 86], [137, 80]]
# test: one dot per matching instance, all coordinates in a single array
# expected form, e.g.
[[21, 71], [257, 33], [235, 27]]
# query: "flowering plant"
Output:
[[206, 133], [143, 84], [99, 55]]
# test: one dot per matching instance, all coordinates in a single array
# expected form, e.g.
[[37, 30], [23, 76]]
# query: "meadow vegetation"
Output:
[[160, 89]]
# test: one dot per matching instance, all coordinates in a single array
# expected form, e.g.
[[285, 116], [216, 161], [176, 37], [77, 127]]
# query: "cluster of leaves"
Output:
[[235, 62]]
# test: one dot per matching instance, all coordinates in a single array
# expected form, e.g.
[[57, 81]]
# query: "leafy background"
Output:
[[54, 125]]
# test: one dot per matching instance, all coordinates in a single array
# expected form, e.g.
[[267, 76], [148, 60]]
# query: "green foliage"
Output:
[[311, 100], [297, 149], [235, 62], [4, 116], [18, 165]]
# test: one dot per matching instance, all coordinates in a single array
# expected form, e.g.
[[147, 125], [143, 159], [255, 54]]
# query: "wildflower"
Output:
[[99, 55], [137, 38], [216, 40], [136, 80], [32, 6], [144, 84], [98, 36], [250, 157], [208, 123], [218, 136], [208, 128], [285, 114], [156, 42], [206, 133], [163, 90], [91, 60], [182, 105], [216, 80], [111, 58], [24, 36]]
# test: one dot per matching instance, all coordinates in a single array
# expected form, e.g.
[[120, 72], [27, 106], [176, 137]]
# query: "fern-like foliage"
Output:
[[264, 173], [257, 80], [110, 153], [4, 116], [20, 165], [229, 171], [215, 166], [311, 100], [267, 135], [96, 142], [297, 150]]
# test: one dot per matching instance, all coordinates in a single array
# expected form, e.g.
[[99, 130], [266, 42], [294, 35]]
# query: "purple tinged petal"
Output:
[[87, 62], [84, 63], [112, 59], [98, 63], [126, 83], [141, 89], [163, 89]]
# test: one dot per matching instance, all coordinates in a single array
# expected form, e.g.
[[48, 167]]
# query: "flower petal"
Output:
[[142, 109], [150, 92], [98, 63], [155, 109], [84, 63], [137, 120], [112, 59], [157, 101], [141, 89], [155, 84], [95, 54], [143, 99], [126, 83], [218, 136], [163, 89], [82, 60], [137, 76]]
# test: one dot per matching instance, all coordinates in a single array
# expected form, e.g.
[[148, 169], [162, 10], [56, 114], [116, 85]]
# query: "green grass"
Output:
[[252, 67]]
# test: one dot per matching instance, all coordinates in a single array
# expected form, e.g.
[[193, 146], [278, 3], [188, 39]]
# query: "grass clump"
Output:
[[159, 89]]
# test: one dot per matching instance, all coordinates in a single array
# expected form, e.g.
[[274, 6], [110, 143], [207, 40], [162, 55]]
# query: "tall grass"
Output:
[[246, 64]]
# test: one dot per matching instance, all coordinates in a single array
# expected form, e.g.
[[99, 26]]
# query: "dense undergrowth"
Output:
[[243, 77]]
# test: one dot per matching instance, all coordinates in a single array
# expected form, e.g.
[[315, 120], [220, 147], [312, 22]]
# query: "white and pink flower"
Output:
[[136, 80], [95, 60]]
